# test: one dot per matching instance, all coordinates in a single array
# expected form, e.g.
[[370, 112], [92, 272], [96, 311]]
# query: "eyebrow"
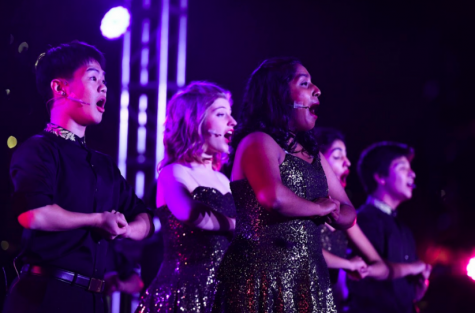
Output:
[[337, 148], [221, 107], [302, 75], [93, 69]]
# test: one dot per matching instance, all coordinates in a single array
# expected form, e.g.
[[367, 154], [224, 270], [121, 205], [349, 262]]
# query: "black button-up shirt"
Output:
[[56, 167], [394, 242]]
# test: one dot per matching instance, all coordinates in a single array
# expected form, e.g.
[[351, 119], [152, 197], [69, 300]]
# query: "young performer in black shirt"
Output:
[[385, 171], [70, 199]]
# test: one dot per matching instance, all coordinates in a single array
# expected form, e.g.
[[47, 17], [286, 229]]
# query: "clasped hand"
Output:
[[113, 224], [330, 208]]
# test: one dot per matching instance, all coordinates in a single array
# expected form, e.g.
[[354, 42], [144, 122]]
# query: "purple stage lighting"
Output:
[[115, 22], [471, 268]]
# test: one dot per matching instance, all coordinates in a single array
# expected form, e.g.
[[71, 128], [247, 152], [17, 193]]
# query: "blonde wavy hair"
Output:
[[186, 112]]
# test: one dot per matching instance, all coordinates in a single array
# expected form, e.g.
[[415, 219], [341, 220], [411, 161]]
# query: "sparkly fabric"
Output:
[[275, 264], [186, 280], [336, 243], [63, 133]]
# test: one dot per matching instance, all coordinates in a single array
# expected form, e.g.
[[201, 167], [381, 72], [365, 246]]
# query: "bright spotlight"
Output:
[[471, 268], [115, 23]]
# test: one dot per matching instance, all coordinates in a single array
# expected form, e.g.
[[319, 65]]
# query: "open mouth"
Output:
[[411, 185], [313, 109], [101, 105], [228, 135]]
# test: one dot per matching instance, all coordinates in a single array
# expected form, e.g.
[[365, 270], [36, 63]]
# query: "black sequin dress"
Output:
[[186, 279], [275, 264]]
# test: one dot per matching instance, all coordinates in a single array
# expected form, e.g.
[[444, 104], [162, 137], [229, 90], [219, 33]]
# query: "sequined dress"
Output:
[[186, 279], [275, 264]]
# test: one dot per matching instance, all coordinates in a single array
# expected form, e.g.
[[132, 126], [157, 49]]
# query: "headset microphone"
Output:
[[300, 106], [77, 100], [214, 133]]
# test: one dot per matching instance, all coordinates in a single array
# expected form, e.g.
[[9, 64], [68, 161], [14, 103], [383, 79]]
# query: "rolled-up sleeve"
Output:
[[33, 173]]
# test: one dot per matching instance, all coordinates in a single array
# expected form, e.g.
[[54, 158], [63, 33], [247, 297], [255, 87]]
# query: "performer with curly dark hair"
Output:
[[283, 191]]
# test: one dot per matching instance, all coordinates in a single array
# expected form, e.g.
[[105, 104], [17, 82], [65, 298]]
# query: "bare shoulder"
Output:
[[259, 141], [174, 172]]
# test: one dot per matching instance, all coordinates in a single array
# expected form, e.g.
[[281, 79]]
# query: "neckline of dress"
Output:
[[286, 154]]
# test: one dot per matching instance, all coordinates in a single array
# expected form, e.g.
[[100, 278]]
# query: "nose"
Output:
[[347, 161], [232, 121], [102, 88], [412, 173], [316, 91]]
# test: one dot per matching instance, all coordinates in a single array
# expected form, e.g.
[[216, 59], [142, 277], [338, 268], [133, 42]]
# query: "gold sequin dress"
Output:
[[186, 279], [275, 264]]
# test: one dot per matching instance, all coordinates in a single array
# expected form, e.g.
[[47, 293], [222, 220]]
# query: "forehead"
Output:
[[401, 161], [220, 103], [338, 144], [301, 72], [90, 67]]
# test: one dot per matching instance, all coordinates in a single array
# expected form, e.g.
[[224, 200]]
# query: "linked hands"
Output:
[[112, 225], [358, 268], [330, 208]]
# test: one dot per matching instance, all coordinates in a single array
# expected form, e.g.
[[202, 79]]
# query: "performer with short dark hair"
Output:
[[70, 199], [385, 171]]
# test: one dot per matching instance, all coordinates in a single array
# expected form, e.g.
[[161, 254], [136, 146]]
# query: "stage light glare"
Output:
[[471, 268], [12, 142], [115, 22]]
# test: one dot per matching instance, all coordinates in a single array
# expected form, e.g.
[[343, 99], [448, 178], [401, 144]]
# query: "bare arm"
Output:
[[334, 261], [259, 158], [180, 202], [54, 218], [376, 266], [398, 270], [140, 227], [347, 217]]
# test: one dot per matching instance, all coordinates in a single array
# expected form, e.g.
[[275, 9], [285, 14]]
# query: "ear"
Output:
[[379, 179], [58, 87]]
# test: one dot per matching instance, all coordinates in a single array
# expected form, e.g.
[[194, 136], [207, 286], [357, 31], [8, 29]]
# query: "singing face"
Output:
[[305, 95], [400, 180], [218, 127], [87, 93], [338, 160]]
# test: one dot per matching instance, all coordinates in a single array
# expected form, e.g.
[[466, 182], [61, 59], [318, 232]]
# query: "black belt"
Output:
[[90, 284]]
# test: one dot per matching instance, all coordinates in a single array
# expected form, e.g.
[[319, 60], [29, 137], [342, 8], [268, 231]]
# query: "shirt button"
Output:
[[96, 189], [92, 165], [406, 257]]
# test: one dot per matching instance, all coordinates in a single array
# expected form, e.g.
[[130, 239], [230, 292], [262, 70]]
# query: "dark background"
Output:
[[388, 70]]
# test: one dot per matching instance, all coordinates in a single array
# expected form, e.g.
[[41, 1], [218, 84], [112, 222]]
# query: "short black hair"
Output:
[[377, 158], [326, 136], [61, 62], [267, 106]]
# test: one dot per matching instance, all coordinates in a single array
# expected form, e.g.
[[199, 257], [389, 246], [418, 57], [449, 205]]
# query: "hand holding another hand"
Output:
[[113, 224], [358, 268], [329, 207]]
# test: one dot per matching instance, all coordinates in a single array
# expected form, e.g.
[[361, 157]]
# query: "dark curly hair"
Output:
[[267, 106]]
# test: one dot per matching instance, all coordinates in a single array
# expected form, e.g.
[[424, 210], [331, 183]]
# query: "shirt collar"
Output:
[[64, 133], [381, 205]]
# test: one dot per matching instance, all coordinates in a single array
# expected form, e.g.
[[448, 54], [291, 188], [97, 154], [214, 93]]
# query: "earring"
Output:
[[63, 93]]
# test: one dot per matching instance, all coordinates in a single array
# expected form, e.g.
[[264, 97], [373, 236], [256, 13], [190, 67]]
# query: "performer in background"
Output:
[[385, 172], [335, 242], [283, 191], [70, 199], [194, 201]]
